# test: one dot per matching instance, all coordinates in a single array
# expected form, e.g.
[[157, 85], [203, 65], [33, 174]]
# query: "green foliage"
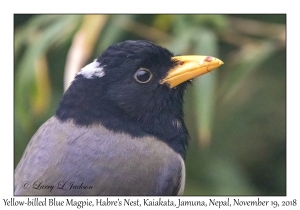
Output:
[[236, 115]]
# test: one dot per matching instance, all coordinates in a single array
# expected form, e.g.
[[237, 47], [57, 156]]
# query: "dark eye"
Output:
[[143, 75]]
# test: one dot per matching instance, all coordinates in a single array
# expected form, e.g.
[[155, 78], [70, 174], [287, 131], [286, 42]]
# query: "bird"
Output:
[[118, 129]]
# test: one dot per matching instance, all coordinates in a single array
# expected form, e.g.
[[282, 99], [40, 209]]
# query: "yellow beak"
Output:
[[189, 67]]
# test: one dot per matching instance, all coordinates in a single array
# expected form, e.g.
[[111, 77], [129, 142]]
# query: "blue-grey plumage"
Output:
[[65, 159]]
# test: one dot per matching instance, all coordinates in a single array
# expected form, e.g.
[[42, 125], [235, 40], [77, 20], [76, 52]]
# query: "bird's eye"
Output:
[[143, 75]]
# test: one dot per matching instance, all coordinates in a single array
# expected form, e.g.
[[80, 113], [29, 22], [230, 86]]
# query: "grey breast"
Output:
[[66, 159]]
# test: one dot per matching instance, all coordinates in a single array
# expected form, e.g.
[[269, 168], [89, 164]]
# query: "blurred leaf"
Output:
[[142, 30], [204, 89], [83, 45], [39, 43], [245, 63], [42, 96], [163, 22], [45, 24], [111, 33], [216, 22]]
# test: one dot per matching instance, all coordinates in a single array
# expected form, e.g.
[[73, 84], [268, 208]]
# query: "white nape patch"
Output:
[[92, 70]]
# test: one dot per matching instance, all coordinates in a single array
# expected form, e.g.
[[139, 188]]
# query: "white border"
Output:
[[293, 75]]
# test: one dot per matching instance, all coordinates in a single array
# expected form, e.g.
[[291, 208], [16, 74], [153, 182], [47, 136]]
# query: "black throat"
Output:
[[87, 103]]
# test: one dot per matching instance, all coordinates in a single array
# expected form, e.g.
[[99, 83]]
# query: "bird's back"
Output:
[[65, 159]]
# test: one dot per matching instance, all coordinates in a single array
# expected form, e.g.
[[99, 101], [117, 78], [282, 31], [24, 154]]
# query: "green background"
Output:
[[236, 115]]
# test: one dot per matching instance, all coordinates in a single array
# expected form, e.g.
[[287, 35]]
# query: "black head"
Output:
[[123, 90], [125, 95]]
